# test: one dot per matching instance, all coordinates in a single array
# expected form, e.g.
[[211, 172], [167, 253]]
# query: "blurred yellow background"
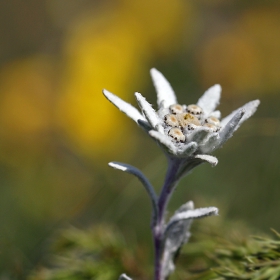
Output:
[[57, 131]]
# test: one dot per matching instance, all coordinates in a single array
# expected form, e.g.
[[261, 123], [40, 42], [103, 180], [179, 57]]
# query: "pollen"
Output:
[[176, 109], [212, 126], [213, 120], [194, 109], [171, 120], [177, 134], [186, 119]]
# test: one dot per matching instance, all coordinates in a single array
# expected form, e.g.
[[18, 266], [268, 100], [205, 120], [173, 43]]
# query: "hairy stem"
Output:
[[159, 225]]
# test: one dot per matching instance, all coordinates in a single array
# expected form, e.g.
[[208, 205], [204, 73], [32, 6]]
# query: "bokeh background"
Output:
[[57, 131]]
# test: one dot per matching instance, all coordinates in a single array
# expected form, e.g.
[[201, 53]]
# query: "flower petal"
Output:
[[250, 108], [165, 93], [188, 150], [200, 134], [216, 114], [227, 130], [148, 110], [210, 99], [123, 106], [210, 159], [210, 143], [164, 140]]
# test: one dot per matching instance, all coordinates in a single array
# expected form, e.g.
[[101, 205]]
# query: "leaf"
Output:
[[192, 214], [136, 172], [124, 277], [177, 232], [175, 237]]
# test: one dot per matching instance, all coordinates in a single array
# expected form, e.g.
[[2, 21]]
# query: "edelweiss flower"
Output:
[[185, 131]]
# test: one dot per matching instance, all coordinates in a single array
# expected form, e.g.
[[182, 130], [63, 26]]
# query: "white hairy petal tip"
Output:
[[123, 106], [249, 109], [165, 93], [232, 125], [210, 99]]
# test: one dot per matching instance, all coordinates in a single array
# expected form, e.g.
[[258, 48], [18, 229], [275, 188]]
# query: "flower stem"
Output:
[[159, 225]]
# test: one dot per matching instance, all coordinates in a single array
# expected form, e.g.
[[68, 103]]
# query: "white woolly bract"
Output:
[[123, 106], [210, 159], [165, 93], [210, 99]]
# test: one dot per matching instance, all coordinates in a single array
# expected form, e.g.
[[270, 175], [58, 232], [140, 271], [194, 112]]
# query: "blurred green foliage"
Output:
[[58, 132], [100, 252], [224, 250], [218, 250]]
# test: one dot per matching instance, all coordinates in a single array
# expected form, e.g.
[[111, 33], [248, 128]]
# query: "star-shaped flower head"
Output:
[[185, 131]]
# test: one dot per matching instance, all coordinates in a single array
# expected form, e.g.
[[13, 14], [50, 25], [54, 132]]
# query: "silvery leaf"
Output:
[[174, 238], [192, 214], [177, 232], [210, 99], [165, 93], [136, 172], [123, 106], [124, 277], [179, 223]]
